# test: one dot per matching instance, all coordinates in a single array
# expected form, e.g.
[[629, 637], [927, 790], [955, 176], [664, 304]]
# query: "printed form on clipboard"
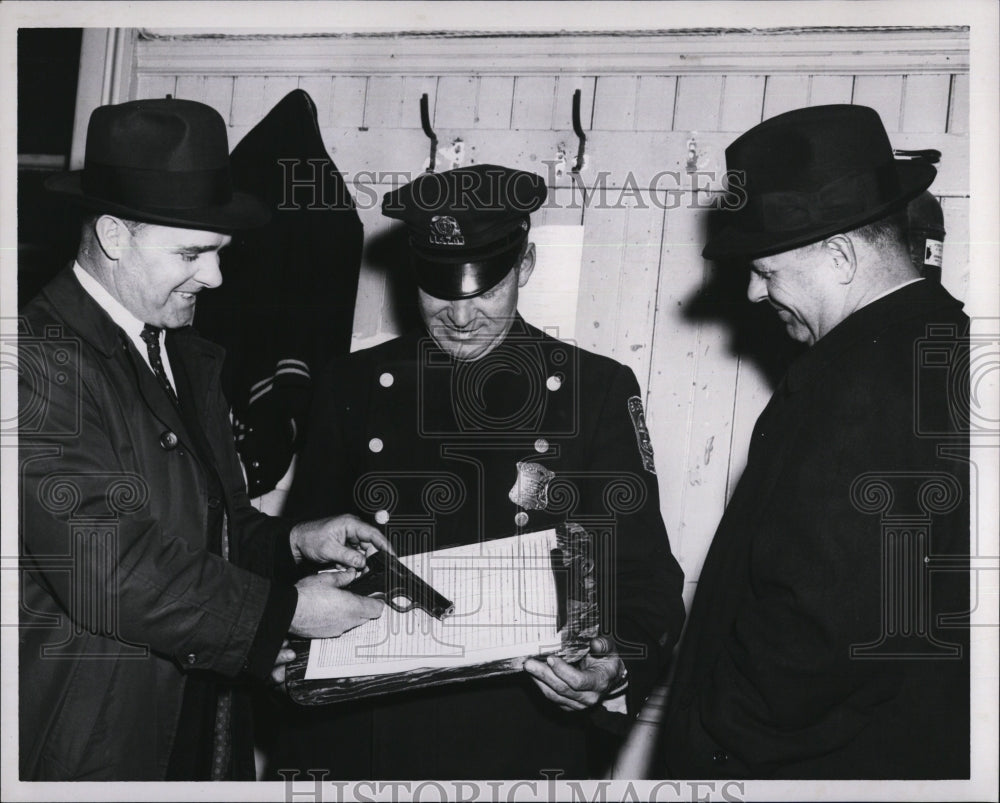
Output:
[[514, 598]]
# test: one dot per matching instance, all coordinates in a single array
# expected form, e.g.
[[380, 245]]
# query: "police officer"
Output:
[[480, 426]]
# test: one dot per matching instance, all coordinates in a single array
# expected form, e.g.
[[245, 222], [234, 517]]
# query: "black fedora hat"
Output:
[[162, 161], [810, 173]]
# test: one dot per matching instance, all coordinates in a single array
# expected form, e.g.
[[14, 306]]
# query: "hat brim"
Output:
[[452, 281], [733, 242], [243, 211]]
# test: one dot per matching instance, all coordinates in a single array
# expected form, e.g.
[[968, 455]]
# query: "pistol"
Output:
[[390, 580]]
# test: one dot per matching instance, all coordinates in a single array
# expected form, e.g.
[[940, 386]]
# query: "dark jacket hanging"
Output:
[[286, 305]]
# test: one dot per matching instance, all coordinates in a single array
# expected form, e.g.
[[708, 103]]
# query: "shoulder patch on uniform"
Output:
[[641, 433]]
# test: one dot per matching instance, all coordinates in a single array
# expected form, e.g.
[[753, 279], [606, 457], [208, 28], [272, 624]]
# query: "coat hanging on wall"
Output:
[[286, 305]]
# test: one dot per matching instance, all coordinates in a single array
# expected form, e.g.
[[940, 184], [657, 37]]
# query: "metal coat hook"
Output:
[[425, 122], [578, 129]]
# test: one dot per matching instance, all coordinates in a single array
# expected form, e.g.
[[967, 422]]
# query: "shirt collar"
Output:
[[121, 316], [884, 293]]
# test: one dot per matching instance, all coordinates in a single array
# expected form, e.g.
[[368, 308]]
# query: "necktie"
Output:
[[151, 337]]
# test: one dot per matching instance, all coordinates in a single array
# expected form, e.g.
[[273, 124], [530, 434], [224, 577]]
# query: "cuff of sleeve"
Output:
[[271, 630], [284, 565]]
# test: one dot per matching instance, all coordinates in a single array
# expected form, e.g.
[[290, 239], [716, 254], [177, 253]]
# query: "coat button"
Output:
[[720, 757], [168, 440], [375, 445], [521, 519], [386, 380], [554, 382], [541, 446], [192, 659], [214, 502]]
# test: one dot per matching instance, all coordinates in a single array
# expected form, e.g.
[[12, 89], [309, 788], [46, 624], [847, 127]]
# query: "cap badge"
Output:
[[445, 231]]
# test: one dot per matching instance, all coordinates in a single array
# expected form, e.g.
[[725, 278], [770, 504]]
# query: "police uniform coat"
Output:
[[402, 431], [120, 596], [816, 646]]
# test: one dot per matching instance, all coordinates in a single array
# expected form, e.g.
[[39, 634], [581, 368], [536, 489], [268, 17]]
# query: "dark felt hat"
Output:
[[162, 161], [466, 225], [810, 173]]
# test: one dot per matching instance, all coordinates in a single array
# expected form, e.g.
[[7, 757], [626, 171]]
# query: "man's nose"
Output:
[[209, 273], [461, 312], [757, 288]]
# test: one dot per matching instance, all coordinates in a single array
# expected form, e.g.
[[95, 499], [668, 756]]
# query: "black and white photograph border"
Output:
[[134, 50]]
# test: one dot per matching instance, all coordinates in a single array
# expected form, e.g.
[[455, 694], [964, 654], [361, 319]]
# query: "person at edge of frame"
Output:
[[152, 592], [829, 633]]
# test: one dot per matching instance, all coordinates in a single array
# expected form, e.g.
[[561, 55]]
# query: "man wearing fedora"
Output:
[[151, 591], [828, 637], [477, 426]]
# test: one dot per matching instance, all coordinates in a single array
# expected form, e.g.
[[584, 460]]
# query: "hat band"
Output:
[[144, 188], [842, 198]]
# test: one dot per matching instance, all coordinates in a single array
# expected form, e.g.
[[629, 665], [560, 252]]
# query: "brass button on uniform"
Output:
[[554, 382], [375, 445], [381, 516], [521, 519], [541, 446], [168, 440], [386, 380], [192, 659]]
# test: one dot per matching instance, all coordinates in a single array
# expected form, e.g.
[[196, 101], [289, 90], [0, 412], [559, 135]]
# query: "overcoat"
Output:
[[403, 434], [828, 637], [120, 597]]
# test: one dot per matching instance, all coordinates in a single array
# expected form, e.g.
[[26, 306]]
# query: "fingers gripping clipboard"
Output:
[[514, 598]]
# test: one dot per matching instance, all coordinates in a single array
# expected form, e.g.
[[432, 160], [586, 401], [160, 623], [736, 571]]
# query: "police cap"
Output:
[[466, 225]]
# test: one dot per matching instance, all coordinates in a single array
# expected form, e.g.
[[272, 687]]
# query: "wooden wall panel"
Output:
[[456, 102], [534, 100], [884, 93], [742, 102], [349, 93], [384, 102], [320, 89], [783, 93], [654, 108], [494, 102], [248, 95], [827, 89], [925, 102], [562, 111], [958, 114], [697, 105], [615, 103], [955, 258], [155, 86]]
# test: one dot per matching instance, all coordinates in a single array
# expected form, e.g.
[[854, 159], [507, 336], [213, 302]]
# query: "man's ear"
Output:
[[840, 250], [111, 235], [526, 266]]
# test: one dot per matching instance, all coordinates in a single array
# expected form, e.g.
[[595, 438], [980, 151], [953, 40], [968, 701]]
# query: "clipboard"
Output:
[[573, 617]]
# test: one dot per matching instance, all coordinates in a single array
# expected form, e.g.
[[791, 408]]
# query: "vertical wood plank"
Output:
[[215, 91], [275, 89], [638, 279], [534, 97], [320, 89], [698, 103], [783, 93], [248, 97], [600, 279], [614, 103], [456, 101], [384, 102], [884, 93], [958, 117], [349, 93], [831, 89], [955, 257], [494, 102], [562, 112], [925, 102], [742, 102], [414, 87], [672, 376], [654, 108], [155, 86]]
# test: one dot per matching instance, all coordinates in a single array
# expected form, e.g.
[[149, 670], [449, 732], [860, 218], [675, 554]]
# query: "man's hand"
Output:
[[339, 539], [575, 688], [325, 609]]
